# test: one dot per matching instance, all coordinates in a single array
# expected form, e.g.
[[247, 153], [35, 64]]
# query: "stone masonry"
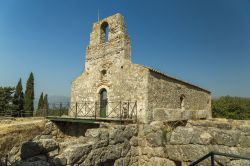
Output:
[[159, 143], [108, 67]]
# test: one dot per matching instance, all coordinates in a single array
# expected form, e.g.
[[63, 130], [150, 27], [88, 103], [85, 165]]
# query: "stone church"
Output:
[[110, 77]]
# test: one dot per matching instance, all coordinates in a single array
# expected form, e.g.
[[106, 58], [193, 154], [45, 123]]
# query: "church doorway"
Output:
[[103, 103]]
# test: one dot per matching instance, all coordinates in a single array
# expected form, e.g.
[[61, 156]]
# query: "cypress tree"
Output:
[[18, 97], [40, 102], [6, 100], [29, 96], [45, 102]]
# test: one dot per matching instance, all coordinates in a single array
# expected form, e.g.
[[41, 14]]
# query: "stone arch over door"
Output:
[[103, 102]]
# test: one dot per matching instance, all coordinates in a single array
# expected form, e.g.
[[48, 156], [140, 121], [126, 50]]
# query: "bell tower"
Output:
[[109, 42]]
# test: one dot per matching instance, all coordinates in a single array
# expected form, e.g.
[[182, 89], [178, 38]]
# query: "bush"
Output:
[[231, 107]]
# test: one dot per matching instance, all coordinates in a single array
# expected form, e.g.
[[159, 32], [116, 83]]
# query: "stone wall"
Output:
[[176, 143], [108, 66], [105, 144], [166, 92], [128, 83], [183, 142]]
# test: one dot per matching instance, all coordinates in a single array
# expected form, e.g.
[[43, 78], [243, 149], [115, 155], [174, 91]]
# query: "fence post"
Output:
[[212, 159], [76, 111], [85, 105]]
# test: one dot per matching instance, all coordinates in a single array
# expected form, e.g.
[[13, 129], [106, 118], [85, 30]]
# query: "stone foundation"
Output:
[[158, 143]]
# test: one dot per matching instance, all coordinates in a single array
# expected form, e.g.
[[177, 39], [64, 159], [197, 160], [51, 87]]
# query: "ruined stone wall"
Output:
[[105, 145], [165, 93], [115, 50], [181, 143], [159, 143], [108, 66]]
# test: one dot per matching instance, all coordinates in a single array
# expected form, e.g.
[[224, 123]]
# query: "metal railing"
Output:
[[111, 109], [212, 157], [15, 113]]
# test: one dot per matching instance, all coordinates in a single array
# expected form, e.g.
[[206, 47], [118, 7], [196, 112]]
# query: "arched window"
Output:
[[104, 32], [182, 102], [103, 102]]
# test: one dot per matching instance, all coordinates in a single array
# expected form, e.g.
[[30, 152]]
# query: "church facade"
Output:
[[110, 77]]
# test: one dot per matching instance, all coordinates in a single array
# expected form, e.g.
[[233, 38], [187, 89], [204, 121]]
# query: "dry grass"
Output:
[[14, 132]]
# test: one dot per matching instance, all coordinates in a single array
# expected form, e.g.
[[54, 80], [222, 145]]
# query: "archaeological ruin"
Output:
[[111, 78], [125, 114]]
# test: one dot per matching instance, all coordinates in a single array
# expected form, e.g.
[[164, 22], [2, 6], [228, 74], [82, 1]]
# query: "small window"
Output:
[[182, 102], [104, 32]]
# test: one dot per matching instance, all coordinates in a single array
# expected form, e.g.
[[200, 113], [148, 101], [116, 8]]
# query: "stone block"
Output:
[[77, 152], [201, 137], [116, 136], [156, 161], [30, 149], [225, 137], [186, 152], [245, 141], [155, 139], [181, 135], [245, 128], [134, 141], [48, 144]]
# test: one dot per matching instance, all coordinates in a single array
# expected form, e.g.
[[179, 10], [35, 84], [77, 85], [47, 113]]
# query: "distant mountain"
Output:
[[58, 99], [54, 99]]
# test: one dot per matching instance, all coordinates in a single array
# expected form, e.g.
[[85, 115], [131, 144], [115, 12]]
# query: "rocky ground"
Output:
[[107, 145], [176, 143], [14, 131]]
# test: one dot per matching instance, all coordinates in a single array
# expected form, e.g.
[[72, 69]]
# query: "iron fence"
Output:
[[121, 109], [212, 155], [110, 109], [87, 109]]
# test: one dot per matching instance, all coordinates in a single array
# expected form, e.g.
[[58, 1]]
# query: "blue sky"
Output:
[[203, 42]]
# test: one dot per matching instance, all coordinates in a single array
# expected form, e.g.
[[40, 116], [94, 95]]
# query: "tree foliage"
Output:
[[42, 105], [45, 102], [6, 99], [29, 96], [231, 107], [40, 102], [18, 100]]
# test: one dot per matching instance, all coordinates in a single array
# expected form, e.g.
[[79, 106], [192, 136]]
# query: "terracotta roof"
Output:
[[165, 75]]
